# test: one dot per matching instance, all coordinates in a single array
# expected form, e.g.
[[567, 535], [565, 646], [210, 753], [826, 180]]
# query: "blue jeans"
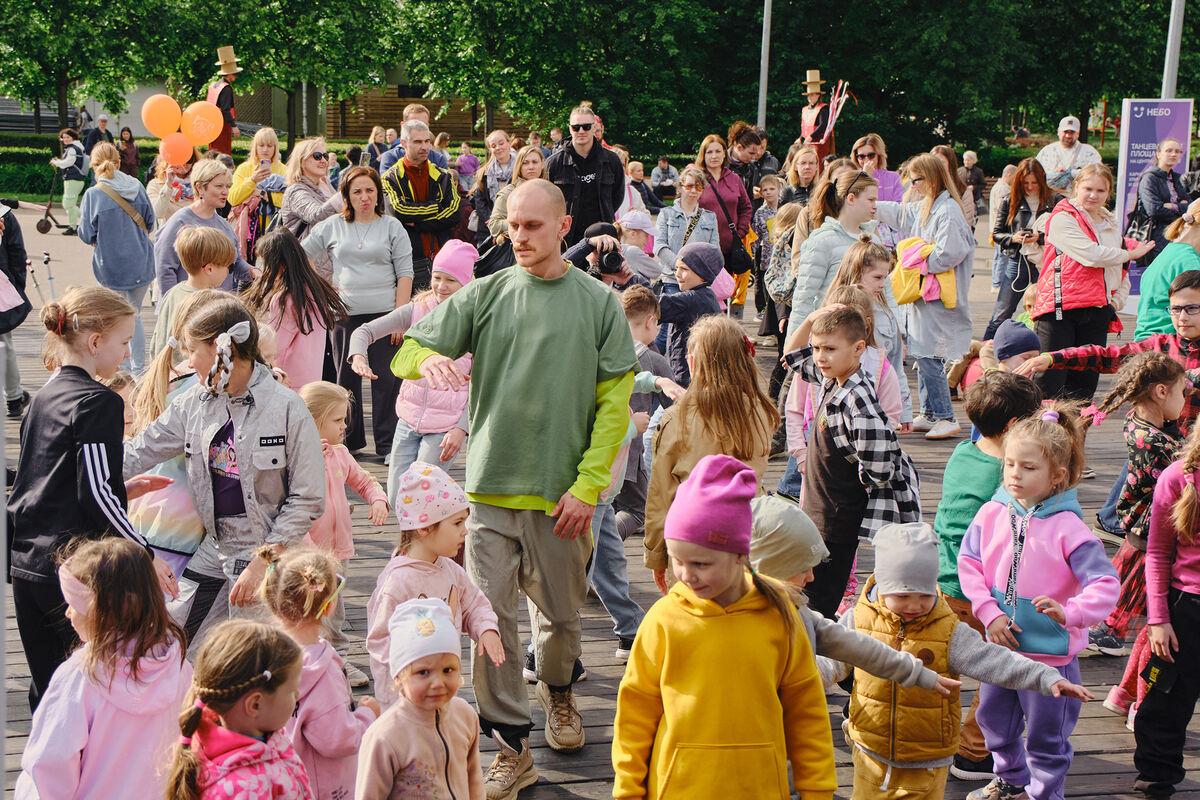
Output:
[[933, 389], [409, 446], [791, 480], [1108, 513], [660, 341], [610, 576], [997, 267], [1018, 274], [136, 363]]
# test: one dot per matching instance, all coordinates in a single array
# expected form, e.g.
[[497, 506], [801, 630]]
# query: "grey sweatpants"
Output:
[[508, 550]]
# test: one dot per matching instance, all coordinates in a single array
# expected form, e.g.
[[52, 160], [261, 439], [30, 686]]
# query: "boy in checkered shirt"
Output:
[[856, 477]]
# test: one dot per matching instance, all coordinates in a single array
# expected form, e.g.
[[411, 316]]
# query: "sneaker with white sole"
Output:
[[564, 725], [624, 648], [1103, 640], [510, 771], [944, 429], [356, 677], [1118, 701], [921, 423], [999, 789], [968, 769]]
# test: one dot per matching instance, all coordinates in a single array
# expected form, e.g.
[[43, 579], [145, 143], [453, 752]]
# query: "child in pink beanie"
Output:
[[432, 423], [723, 640], [432, 510]]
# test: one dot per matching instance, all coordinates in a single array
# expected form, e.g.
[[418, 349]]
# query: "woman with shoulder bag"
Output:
[[725, 196], [686, 222]]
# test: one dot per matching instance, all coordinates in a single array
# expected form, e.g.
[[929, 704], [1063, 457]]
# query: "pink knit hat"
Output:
[[456, 259], [427, 495], [712, 507]]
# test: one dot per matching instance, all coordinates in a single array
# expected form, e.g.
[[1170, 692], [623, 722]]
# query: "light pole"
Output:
[[1171, 65], [766, 54]]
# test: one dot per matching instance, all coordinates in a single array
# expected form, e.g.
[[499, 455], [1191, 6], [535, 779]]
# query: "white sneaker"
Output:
[[944, 429], [922, 423], [356, 677]]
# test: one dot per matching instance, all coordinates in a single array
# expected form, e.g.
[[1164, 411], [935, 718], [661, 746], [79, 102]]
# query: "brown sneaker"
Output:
[[510, 771], [564, 726]]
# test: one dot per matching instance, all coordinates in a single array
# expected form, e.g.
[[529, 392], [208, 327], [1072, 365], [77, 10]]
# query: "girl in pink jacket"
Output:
[[427, 744], [329, 403], [1037, 578], [326, 729], [297, 302], [107, 719], [431, 423], [233, 744], [433, 524]]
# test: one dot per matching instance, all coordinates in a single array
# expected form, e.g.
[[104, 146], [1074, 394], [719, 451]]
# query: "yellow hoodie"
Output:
[[716, 701]]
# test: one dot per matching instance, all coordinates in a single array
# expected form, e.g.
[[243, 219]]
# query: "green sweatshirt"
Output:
[[972, 477], [552, 373]]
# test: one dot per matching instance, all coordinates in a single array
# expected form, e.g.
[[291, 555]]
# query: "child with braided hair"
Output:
[[1156, 385], [254, 465], [106, 722], [300, 590], [233, 742]]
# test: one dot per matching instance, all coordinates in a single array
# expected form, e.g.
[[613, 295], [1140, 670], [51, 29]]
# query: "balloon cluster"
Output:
[[181, 131]]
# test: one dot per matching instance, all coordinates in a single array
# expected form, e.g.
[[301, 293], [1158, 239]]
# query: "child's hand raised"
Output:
[[670, 388], [358, 363], [826, 310], [489, 643], [1003, 632], [379, 512], [1036, 364], [945, 685], [371, 703], [1068, 689], [1051, 608]]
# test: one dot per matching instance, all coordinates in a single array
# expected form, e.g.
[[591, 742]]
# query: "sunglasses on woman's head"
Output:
[[581, 126], [319, 156]]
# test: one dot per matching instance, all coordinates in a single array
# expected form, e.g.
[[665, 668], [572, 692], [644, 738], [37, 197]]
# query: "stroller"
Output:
[[48, 220]]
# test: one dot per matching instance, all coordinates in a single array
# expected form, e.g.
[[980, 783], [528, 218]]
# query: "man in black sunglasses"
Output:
[[591, 177]]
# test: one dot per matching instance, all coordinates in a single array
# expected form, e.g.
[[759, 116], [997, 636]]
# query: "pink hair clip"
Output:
[[1049, 416], [1096, 414]]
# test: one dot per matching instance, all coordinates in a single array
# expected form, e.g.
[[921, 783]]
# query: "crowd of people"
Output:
[[578, 334]]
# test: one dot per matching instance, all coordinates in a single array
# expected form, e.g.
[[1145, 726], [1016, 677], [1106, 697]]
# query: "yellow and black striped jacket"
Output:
[[436, 216]]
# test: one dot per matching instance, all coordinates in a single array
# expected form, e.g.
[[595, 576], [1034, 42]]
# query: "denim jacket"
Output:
[[672, 225], [279, 460]]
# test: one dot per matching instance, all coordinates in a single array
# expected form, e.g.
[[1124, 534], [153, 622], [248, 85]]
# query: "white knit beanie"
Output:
[[420, 628]]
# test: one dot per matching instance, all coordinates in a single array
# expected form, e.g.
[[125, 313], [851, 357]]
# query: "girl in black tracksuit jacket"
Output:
[[69, 481]]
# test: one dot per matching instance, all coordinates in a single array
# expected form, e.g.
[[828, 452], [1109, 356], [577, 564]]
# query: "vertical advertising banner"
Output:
[[1145, 123]]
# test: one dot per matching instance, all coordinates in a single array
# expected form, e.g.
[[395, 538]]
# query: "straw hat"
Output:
[[227, 61], [813, 82]]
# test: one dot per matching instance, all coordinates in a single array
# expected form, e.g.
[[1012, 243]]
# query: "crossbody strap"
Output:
[[691, 226], [124, 204]]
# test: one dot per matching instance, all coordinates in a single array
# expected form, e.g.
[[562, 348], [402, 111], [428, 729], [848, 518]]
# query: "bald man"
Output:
[[550, 384]]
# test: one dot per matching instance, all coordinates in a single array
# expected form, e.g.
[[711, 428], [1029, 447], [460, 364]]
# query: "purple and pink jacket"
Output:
[[1170, 564], [1062, 558], [234, 766], [92, 739], [405, 578], [326, 734]]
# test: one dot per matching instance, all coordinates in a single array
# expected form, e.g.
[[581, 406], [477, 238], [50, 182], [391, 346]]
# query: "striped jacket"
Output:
[[437, 216]]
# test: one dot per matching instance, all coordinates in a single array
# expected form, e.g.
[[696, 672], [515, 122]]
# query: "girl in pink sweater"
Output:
[[297, 302], [329, 403], [326, 729], [1173, 616], [427, 744], [107, 719], [1037, 578], [233, 743], [432, 509]]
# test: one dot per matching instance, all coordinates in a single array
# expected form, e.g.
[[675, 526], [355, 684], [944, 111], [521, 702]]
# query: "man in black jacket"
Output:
[[591, 177]]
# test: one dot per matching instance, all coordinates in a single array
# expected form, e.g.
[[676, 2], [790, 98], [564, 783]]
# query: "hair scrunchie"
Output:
[[1049, 416]]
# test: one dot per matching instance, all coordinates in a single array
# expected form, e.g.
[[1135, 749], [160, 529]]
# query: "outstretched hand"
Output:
[[1068, 689], [139, 485], [489, 643], [443, 373], [946, 685]]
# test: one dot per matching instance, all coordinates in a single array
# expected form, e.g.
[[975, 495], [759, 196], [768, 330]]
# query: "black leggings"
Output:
[[1079, 326], [828, 586], [1160, 728]]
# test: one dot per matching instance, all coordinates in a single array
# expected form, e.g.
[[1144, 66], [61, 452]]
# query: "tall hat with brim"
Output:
[[227, 61], [812, 83]]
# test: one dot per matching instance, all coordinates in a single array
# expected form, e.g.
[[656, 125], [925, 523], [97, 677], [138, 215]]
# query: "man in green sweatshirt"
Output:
[[550, 385]]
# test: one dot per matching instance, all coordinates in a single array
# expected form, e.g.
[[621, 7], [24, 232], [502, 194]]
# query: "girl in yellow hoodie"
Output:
[[721, 690]]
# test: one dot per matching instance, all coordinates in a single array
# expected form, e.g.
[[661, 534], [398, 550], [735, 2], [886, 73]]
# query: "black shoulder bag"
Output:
[[737, 260]]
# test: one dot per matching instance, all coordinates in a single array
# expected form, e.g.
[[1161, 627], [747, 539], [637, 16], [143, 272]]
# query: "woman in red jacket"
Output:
[[725, 196]]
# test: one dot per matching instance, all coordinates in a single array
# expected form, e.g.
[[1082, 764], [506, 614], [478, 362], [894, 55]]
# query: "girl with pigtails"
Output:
[[252, 454]]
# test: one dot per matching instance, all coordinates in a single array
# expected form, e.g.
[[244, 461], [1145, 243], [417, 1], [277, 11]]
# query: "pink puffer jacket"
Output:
[[424, 408]]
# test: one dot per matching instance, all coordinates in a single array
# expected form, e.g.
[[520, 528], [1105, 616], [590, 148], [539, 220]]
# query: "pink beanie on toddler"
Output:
[[712, 507], [427, 495], [456, 259]]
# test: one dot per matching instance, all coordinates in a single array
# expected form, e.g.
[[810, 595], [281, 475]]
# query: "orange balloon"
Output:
[[176, 148], [202, 122], [160, 115]]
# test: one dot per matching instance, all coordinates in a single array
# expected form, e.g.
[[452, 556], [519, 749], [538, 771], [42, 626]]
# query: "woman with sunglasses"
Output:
[[942, 326], [870, 155], [310, 197]]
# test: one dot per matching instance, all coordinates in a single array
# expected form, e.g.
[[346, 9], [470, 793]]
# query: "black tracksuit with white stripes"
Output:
[[68, 485]]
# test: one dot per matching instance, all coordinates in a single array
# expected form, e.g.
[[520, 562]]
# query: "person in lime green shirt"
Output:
[[1182, 254], [550, 384]]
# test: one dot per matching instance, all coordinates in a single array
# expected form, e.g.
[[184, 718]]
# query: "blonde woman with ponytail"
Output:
[[1173, 620], [1182, 254]]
